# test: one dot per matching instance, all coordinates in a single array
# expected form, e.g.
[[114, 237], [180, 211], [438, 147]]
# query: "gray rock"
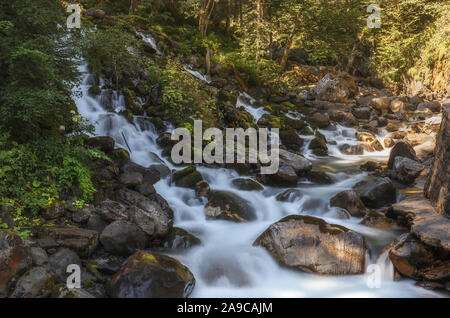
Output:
[[402, 149], [96, 223], [111, 210], [310, 244], [36, 283], [39, 256], [229, 206], [406, 170], [59, 261], [123, 238], [377, 193], [350, 201]]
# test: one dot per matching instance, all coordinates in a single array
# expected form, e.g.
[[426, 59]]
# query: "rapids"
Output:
[[226, 264]]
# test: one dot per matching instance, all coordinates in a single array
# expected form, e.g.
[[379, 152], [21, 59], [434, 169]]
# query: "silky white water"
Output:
[[226, 264]]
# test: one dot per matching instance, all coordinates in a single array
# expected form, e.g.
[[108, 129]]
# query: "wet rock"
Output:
[[177, 239], [377, 193], [142, 219], [319, 145], [59, 261], [291, 139], [202, 189], [335, 88], [300, 164], [391, 127], [409, 256], [406, 170], [149, 275], [229, 206], [347, 149], [362, 112], [418, 139], [123, 238], [321, 120], [39, 256], [286, 174], [401, 149], [376, 219], [187, 178], [82, 241], [350, 201], [120, 156], [36, 283], [289, 195], [369, 139], [14, 259], [103, 143], [310, 244], [150, 175], [247, 184], [319, 177], [437, 185], [389, 142]]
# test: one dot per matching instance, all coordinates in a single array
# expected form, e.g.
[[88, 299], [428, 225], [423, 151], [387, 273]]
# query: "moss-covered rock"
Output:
[[187, 178], [121, 156], [94, 90], [319, 144], [247, 184], [131, 101], [291, 139]]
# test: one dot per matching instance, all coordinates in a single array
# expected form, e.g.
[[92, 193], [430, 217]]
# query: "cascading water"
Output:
[[226, 264]]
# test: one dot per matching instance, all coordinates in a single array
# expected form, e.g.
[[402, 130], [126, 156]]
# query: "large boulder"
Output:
[[310, 244], [36, 283], [123, 238], [406, 170], [149, 275], [438, 182], [156, 210], [335, 88], [402, 149], [350, 201], [59, 261], [377, 193], [177, 239], [15, 259], [229, 206], [82, 241]]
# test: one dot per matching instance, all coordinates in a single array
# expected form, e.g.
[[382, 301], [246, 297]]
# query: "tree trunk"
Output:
[[229, 16], [133, 6], [288, 47], [206, 10], [208, 62]]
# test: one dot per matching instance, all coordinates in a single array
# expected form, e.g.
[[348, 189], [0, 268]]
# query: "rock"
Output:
[[347, 149], [142, 219], [151, 276], [36, 283], [370, 139], [401, 149], [438, 182], [310, 244], [398, 105], [418, 139], [247, 184], [378, 220], [381, 103], [202, 189], [335, 88], [362, 112], [391, 127], [389, 142], [319, 145], [229, 206], [406, 170], [82, 241], [96, 223], [378, 193], [155, 207], [131, 179], [430, 227], [435, 106], [39, 256], [300, 164], [409, 255], [286, 174], [149, 175], [82, 215], [103, 143], [187, 178], [415, 100], [350, 201], [14, 259], [111, 210], [123, 238], [397, 135], [289, 195], [177, 239], [319, 177], [344, 118], [59, 261], [321, 120], [291, 139], [120, 156], [64, 292]]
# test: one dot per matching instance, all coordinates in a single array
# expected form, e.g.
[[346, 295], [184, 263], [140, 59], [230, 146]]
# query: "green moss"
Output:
[[94, 90]]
